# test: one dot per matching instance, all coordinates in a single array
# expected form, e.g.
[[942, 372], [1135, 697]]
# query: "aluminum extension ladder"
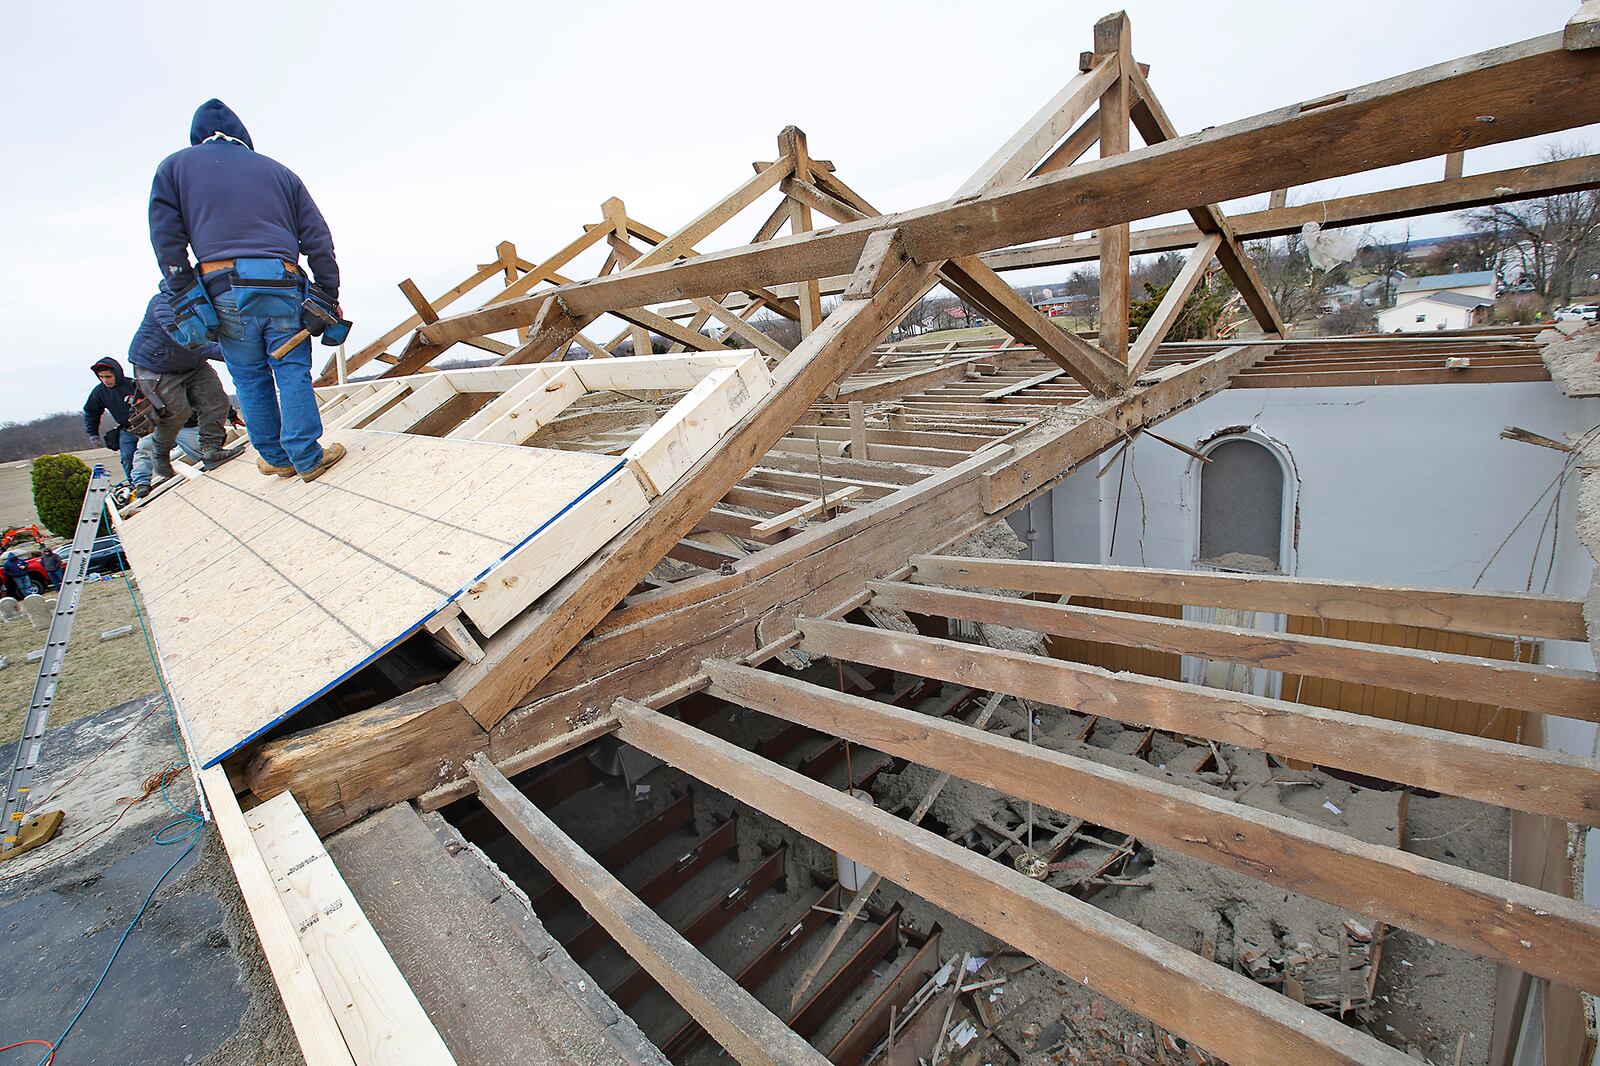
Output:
[[26, 760]]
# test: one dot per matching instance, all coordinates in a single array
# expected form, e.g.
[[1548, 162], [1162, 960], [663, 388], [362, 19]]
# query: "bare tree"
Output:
[[1386, 261], [1550, 237], [1285, 268]]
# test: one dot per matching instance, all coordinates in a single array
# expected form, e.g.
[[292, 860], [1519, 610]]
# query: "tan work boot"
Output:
[[269, 470], [330, 455]]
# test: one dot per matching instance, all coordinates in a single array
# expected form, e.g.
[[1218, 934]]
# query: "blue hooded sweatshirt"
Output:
[[155, 349], [223, 200], [114, 401]]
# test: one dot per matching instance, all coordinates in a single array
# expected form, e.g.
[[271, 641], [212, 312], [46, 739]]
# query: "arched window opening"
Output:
[[1242, 493]]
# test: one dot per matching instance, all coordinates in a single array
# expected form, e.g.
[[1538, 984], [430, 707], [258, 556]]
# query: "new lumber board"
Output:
[[315, 1029], [377, 1012]]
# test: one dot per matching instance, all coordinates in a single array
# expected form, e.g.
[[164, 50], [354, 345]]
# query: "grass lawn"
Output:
[[97, 674]]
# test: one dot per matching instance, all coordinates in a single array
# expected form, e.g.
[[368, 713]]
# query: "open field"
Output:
[[990, 332], [97, 674], [16, 485]]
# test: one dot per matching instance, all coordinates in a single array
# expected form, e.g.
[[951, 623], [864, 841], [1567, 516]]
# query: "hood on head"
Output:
[[214, 116], [109, 364]]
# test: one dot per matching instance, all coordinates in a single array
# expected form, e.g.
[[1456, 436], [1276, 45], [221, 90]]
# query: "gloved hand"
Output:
[[94, 441]]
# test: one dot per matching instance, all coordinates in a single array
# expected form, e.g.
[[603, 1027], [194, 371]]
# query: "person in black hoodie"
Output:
[[114, 397], [180, 383], [248, 219]]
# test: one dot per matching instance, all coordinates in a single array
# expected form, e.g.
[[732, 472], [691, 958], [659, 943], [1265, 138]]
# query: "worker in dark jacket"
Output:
[[179, 382], [19, 584], [114, 397], [248, 220]]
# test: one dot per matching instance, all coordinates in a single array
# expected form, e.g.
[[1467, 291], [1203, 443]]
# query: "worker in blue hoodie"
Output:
[[248, 221], [180, 383], [114, 397]]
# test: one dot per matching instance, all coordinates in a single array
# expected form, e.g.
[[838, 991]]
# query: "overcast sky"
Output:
[[430, 132]]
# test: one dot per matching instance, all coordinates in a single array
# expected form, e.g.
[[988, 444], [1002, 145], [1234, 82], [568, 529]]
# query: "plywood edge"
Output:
[[545, 556]]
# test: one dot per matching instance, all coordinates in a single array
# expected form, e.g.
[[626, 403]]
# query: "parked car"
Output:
[[1579, 313], [106, 556]]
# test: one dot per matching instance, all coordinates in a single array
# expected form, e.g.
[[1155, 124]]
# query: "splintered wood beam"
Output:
[[1534, 931], [1514, 614], [1167, 311], [1111, 40], [1154, 126], [733, 1017], [521, 654], [1222, 1011], [1529, 687], [1492, 771], [1416, 115]]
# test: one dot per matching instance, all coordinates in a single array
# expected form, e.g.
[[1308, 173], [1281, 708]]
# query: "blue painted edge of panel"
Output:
[[405, 634]]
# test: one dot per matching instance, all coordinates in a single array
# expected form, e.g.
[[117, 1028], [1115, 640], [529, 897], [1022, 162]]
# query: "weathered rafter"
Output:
[[1222, 1011], [1356, 130], [1530, 930], [1493, 771]]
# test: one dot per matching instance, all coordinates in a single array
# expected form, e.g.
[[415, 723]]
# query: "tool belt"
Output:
[[194, 320], [227, 264], [267, 288]]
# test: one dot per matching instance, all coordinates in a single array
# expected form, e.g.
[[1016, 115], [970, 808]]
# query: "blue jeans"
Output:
[[144, 460], [275, 395], [126, 443]]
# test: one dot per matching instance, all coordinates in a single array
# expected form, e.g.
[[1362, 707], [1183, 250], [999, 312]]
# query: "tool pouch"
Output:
[[143, 414], [333, 335], [194, 320], [264, 288]]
